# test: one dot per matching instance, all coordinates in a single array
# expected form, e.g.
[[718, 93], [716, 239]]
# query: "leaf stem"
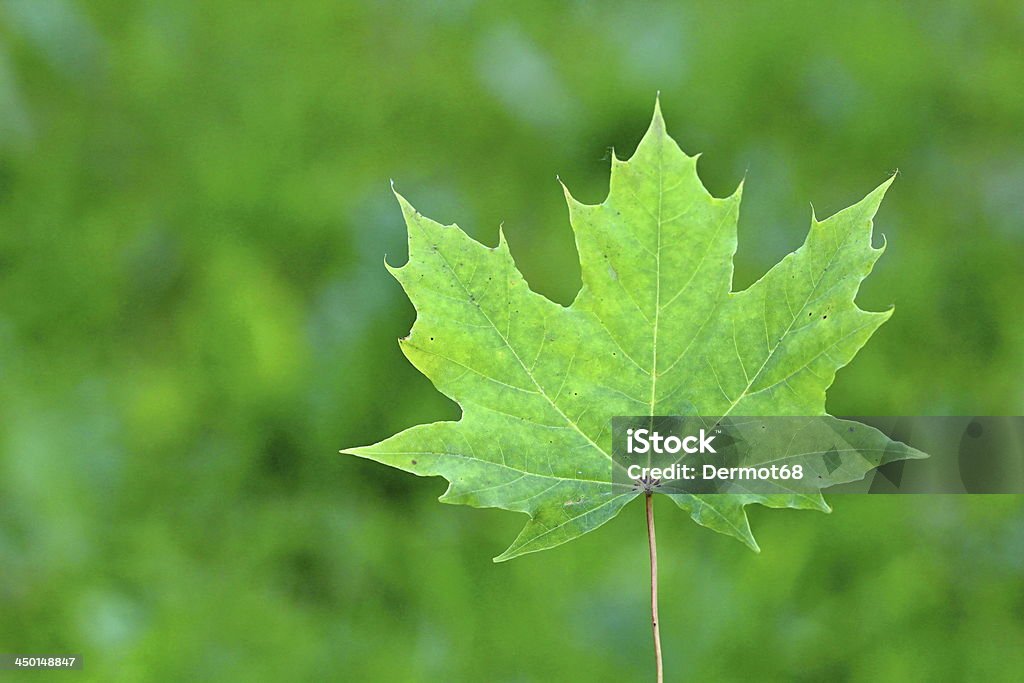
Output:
[[653, 545]]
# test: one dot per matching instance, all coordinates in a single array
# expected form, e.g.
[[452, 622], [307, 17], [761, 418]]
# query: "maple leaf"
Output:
[[655, 330]]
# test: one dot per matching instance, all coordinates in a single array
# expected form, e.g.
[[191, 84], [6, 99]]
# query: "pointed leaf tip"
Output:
[[884, 185], [408, 210], [656, 128], [751, 543], [658, 119], [874, 198], [737, 194], [565, 188]]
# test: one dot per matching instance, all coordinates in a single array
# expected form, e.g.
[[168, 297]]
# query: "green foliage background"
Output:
[[194, 318]]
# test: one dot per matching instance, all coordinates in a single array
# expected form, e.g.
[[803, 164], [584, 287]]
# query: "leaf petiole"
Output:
[[653, 546]]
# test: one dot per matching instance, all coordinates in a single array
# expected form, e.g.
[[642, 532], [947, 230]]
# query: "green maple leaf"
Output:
[[655, 330]]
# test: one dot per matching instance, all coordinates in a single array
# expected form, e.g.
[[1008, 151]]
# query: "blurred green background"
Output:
[[194, 318]]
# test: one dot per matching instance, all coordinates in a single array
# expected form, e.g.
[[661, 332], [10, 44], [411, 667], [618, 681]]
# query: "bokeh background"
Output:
[[194, 318]]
